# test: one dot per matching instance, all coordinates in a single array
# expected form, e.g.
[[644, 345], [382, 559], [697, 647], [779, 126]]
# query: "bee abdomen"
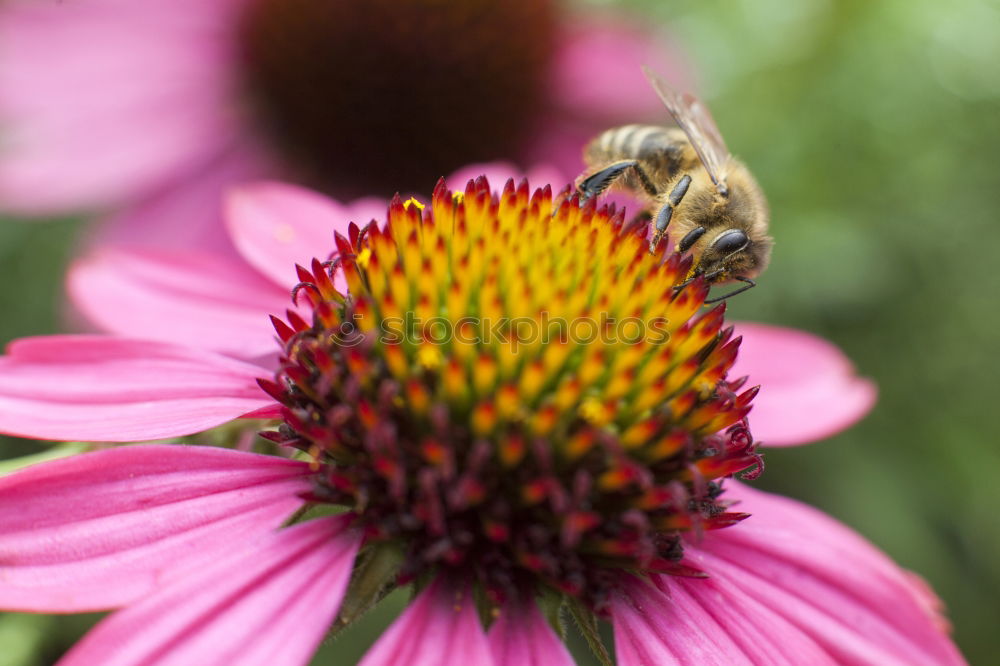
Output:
[[660, 146]]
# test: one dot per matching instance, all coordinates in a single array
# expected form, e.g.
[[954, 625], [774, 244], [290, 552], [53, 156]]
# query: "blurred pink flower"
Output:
[[108, 104], [188, 542]]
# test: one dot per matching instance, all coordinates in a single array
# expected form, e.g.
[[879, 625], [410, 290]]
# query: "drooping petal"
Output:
[[98, 388], [268, 603], [850, 597], [100, 530], [85, 126], [809, 389], [190, 298], [521, 636], [275, 226], [787, 585], [694, 622], [440, 628]]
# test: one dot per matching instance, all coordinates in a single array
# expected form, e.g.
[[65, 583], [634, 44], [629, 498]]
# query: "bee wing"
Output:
[[692, 117]]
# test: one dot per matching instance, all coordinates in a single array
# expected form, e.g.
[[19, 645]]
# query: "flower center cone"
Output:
[[523, 396]]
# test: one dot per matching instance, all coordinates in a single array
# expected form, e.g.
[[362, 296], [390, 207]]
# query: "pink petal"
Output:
[[440, 628], [78, 116], [96, 388], [522, 637], [186, 211], [787, 585], [189, 298], [710, 624], [276, 226], [104, 529], [700, 622], [829, 580], [809, 389], [268, 603], [272, 411]]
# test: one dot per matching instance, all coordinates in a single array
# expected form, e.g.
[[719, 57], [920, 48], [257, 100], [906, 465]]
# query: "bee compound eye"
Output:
[[730, 241]]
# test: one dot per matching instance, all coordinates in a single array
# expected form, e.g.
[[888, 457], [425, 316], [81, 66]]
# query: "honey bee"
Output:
[[690, 183]]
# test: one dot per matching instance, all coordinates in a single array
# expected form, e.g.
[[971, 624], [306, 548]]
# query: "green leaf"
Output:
[[371, 582], [587, 622], [314, 511], [54, 453], [551, 603], [22, 637], [487, 609]]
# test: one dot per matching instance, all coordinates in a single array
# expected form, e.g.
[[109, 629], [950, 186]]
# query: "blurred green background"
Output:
[[874, 127]]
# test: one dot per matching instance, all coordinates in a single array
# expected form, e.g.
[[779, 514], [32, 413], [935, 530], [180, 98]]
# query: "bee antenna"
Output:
[[750, 284]]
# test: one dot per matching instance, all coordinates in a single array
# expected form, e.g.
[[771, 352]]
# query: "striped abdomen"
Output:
[[661, 150]]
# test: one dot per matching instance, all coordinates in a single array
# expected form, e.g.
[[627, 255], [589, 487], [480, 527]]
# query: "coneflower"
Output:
[[514, 409]]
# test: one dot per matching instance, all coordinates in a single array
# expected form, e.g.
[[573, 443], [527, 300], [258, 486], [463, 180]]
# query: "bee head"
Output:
[[732, 255]]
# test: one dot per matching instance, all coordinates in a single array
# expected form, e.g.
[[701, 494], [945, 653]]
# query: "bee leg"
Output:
[[663, 217], [690, 238], [647, 183], [601, 180], [750, 284]]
